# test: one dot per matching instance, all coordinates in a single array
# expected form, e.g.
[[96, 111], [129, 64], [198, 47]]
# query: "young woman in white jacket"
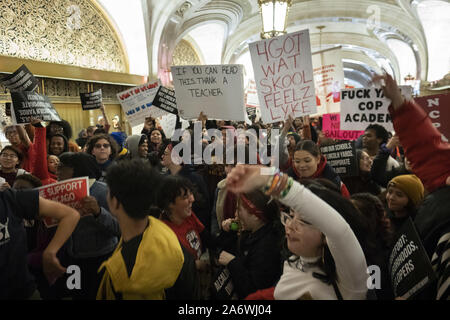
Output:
[[328, 261]]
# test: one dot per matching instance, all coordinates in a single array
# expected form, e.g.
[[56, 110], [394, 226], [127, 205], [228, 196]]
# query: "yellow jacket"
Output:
[[159, 260]]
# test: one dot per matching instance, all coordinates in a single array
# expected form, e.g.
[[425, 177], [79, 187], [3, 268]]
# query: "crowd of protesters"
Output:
[[161, 222]]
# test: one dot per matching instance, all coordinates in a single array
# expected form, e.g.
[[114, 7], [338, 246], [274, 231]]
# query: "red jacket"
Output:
[[424, 148]]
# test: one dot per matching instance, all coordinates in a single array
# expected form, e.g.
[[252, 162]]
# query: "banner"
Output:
[[409, 266], [284, 76], [331, 124], [438, 109], [361, 107], [137, 103], [342, 157], [215, 90], [91, 100], [328, 80], [165, 100], [69, 192], [20, 80], [29, 104]]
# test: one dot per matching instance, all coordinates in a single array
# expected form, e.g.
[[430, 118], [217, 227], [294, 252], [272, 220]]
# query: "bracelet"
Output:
[[288, 187], [275, 181]]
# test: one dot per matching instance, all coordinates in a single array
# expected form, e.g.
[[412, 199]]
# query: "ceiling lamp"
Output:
[[274, 16]]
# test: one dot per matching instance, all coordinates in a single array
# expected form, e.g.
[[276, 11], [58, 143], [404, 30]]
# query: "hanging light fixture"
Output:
[[274, 17]]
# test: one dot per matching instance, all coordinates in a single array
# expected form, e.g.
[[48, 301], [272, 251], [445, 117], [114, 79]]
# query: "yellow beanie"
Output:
[[411, 185]]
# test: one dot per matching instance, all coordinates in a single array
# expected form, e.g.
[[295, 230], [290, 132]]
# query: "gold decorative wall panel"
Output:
[[65, 32], [184, 54]]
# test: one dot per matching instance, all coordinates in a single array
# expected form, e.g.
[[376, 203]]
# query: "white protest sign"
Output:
[[215, 90], [252, 94], [361, 107], [284, 76], [168, 123], [137, 103], [328, 80]]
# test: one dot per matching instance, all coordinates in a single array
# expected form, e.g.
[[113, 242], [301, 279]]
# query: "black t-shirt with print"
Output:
[[15, 280]]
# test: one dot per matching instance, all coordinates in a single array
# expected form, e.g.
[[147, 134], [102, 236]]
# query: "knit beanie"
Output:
[[295, 135], [411, 185]]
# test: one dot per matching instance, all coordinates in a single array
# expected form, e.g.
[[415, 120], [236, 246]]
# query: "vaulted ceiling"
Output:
[[387, 34]]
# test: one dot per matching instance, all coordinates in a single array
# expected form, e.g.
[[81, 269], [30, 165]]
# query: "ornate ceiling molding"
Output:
[[75, 33]]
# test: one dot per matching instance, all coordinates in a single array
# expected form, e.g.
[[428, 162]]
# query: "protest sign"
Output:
[[437, 108], [29, 104], [361, 107], [331, 128], [168, 123], [409, 266], [215, 90], [137, 103], [165, 100], [252, 94], [328, 79], [284, 76], [342, 157], [91, 100], [20, 80], [69, 192]]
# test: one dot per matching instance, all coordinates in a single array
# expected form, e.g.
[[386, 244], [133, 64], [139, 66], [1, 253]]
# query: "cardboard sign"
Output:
[[328, 80], [20, 80], [168, 123], [29, 104], [165, 100], [342, 157], [284, 76], [137, 103], [69, 192], [215, 90], [331, 128], [364, 106], [91, 100], [409, 266], [437, 108]]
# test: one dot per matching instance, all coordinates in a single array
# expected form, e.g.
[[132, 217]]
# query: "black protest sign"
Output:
[[165, 100], [21, 80], [342, 157], [28, 105], [91, 100], [409, 266]]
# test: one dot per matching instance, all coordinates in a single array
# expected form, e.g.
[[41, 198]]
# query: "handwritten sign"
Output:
[[409, 266], [364, 106], [215, 90], [137, 103], [328, 80], [284, 76], [20, 80], [69, 192], [91, 100], [29, 104], [331, 128]]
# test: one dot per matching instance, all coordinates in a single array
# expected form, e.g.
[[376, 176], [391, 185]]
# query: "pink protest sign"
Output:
[[331, 125]]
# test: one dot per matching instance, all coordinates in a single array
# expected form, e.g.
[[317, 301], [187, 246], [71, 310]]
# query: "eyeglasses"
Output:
[[9, 155], [99, 145], [292, 222]]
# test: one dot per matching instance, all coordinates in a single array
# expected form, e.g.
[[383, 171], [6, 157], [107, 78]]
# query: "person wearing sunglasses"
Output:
[[325, 237], [104, 148]]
